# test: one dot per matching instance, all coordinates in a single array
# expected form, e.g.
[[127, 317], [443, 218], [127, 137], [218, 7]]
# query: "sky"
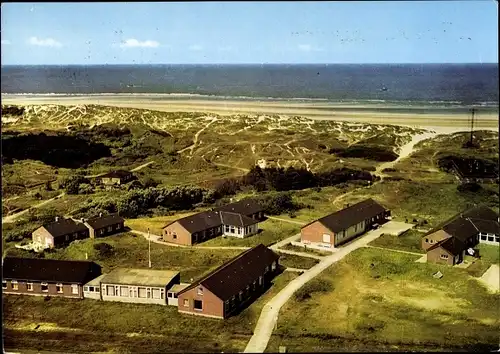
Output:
[[249, 32]]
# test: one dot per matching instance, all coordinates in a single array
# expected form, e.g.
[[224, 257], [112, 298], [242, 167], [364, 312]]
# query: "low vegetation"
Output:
[[410, 241], [384, 299]]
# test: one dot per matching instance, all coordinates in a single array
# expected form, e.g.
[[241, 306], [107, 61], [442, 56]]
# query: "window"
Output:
[[91, 288], [14, 285], [232, 229], [45, 287], [444, 256], [85, 288], [162, 294], [96, 289], [59, 288], [326, 238], [260, 280], [239, 230], [175, 236], [110, 228], [124, 291], [110, 290], [186, 302], [156, 294], [74, 288], [226, 228], [175, 296], [170, 295], [426, 240], [142, 292], [198, 305], [273, 266], [29, 286], [431, 241], [101, 231], [118, 226], [67, 237], [266, 270], [491, 238], [4, 284], [483, 237], [200, 291]]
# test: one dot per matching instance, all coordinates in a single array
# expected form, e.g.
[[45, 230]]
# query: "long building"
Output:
[[344, 225], [230, 287]]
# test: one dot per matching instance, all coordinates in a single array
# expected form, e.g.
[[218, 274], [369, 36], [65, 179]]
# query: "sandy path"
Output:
[[406, 150], [13, 217]]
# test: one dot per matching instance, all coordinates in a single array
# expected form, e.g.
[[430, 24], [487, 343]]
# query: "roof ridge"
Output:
[[223, 266]]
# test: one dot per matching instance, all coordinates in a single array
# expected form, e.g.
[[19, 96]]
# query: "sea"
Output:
[[440, 84]]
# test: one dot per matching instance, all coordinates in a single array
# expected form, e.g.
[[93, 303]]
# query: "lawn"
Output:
[[103, 326], [489, 255], [409, 241], [294, 261], [155, 224], [130, 250], [272, 231], [382, 299], [316, 252]]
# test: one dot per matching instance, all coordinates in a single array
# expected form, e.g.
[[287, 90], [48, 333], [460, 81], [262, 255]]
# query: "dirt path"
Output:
[[156, 239], [406, 150], [394, 250], [296, 270], [142, 166], [229, 166], [196, 136], [269, 315], [286, 220], [13, 217]]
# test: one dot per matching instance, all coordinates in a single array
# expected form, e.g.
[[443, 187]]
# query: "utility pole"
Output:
[[149, 253], [472, 125]]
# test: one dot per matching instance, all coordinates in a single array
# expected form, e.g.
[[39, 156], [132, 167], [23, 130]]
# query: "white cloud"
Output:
[[195, 47], [44, 42], [309, 48], [134, 43], [5, 42]]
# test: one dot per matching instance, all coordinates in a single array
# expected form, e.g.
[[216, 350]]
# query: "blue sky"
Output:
[[250, 32]]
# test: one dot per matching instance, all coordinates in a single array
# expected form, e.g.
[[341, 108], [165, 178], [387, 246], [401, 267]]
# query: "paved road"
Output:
[[269, 315], [301, 223], [301, 254], [277, 245], [13, 217]]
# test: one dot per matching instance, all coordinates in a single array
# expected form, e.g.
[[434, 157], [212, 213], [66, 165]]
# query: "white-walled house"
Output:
[[144, 286], [238, 225]]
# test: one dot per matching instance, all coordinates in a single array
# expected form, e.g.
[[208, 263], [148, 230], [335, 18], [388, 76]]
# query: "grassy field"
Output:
[[489, 255], [272, 231], [130, 250], [294, 261], [126, 328], [382, 298], [409, 241], [155, 224]]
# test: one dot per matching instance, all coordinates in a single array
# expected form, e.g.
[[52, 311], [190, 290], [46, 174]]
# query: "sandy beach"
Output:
[[440, 119]]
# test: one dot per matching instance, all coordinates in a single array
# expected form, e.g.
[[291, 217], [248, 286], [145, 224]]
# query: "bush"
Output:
[[277, 204], [103, 250], [85, 188], [469, 187], [71, 185], [149, 182]]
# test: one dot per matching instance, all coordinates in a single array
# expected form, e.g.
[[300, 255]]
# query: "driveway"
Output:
[[269, 315]]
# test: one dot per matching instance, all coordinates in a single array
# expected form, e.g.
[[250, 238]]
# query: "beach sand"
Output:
[[441, 121]]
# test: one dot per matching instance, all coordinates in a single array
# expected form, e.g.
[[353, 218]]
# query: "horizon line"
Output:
[[149, 64]]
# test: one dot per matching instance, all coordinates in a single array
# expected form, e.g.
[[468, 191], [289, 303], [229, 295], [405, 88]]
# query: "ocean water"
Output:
[[431, 83]]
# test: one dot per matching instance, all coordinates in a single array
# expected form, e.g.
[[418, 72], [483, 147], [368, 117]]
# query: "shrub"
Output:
[[150, 182], [313, 286], [85, 188], [277, 204], [469, 187], [103, 250]]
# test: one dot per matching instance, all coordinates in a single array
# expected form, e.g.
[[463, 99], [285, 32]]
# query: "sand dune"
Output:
[[442, 120]]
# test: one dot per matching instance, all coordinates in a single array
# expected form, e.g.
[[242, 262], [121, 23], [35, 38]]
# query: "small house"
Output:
[[104, 225], [143, 286], [47, 277], [231, 286], [117, 177], [59, 233], [344, 225], [173, 293], [248, 206]]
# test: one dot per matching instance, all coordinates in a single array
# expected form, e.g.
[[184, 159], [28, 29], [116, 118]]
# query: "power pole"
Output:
[[149, 253], [472, 125]]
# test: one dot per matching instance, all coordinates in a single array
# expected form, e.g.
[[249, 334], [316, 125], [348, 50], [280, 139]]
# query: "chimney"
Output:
[[57, 218]]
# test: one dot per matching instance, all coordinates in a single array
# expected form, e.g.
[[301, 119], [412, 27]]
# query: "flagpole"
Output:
[[149, 253]]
